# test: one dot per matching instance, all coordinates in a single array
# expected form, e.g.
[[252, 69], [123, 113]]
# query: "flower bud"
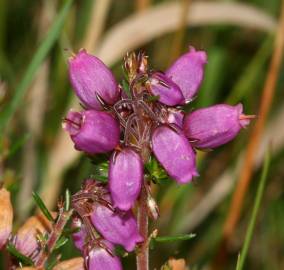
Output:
[[175, 153], [125, 178], [187, 72], [167, 91], [100, 259], [175, 117], [216, 125], [26, 239], [6, 216], [152, 207], [92, 131], [117, 227], [72, 264], [90, 77]]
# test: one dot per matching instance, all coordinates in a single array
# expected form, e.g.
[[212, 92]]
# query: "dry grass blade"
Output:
[[96, 24], [148, 25], [181, 31]]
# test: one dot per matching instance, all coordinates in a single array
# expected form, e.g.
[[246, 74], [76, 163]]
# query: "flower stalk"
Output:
[[142, 255]]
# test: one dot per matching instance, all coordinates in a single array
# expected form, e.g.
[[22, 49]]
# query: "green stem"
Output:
[[259, 194]]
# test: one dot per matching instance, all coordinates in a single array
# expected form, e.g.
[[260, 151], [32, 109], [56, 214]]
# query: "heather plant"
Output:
[[142, 130]]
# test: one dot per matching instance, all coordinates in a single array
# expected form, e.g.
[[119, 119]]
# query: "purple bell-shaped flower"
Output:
[[117, 227], [125, 177], [216, 125], [187, 72], [100, 259], [92, 131], [90, 77], [168, 92], [175, 153]]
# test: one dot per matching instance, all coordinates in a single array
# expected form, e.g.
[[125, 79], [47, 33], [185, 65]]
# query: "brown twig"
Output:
[[247, 169]]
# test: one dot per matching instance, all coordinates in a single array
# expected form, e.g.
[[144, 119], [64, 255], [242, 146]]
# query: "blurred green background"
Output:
[[35, 94]]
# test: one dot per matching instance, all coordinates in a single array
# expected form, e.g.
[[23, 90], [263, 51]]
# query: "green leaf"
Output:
[[38, 58], [184, 237], [61, 242], [120, 251], [166, 239], [156, 172], [125, 88], [67, 200], [257, 201], [20, 257], [42, 206], [153, 98], [100, 178]]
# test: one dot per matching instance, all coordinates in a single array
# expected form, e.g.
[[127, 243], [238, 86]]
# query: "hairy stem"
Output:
[[142, 257], [53, 238]]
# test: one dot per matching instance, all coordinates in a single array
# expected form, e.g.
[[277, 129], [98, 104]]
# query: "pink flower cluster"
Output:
[[146, 118]]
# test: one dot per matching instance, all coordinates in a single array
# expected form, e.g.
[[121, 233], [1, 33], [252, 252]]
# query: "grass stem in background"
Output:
[[247, 168], [257, 201], [32, 68], [181, 30]]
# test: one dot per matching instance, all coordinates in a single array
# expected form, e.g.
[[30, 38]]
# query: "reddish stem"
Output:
[[142, 257], [53, 238]]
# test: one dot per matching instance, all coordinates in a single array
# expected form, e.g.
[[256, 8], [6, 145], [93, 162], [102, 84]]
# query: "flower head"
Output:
[[148, 119]]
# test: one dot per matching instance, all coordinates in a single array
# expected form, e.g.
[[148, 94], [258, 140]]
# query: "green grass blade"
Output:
[[42, 207], [17, 254], [38, 58], [256, 206], [183, 237]]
